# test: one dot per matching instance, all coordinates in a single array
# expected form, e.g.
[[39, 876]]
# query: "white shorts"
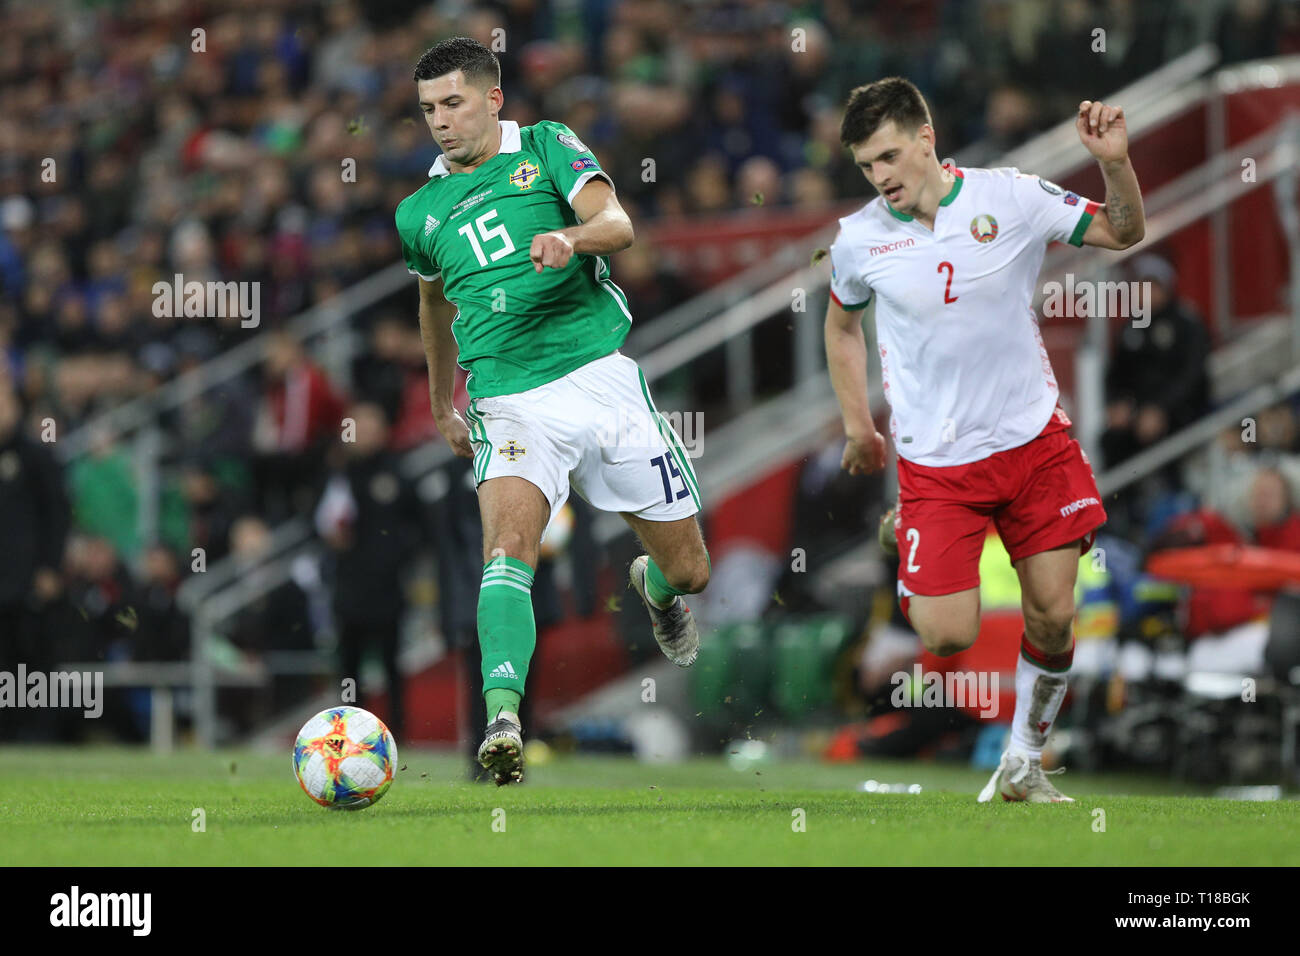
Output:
[[597, 429]]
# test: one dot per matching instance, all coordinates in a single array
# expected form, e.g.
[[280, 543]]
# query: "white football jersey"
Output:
[[963, 365]]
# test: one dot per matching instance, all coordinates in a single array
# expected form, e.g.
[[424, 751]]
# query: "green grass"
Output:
[[110, 806]]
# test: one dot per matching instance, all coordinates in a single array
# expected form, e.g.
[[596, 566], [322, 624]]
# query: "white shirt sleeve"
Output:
[[849, 290], [1054, 213]]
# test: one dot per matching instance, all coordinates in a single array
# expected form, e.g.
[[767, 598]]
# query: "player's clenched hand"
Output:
[[864, 456], [1102, 130], [551, 249], [454, 429]]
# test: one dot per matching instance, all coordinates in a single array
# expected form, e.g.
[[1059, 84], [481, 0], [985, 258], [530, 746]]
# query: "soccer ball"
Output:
[[345, 758]]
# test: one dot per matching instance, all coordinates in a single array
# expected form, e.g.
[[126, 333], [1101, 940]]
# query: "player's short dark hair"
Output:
[[874, 104], [477, 62]]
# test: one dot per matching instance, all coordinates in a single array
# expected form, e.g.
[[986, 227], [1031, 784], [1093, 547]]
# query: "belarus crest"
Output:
[[984, 228]]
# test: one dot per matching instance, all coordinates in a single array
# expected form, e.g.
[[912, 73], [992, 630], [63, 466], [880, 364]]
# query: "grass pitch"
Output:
[[109, 806]]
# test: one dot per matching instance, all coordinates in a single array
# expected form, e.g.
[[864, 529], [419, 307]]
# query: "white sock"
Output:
[[1039, 693]]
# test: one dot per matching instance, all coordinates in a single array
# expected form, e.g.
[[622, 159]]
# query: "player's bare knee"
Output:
[[690, 578], [946, 641], [511, 544], [1051, 626], [699, 578], [945, 646]]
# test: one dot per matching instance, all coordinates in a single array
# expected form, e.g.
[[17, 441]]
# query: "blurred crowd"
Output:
[[154, 138], [157, 138]]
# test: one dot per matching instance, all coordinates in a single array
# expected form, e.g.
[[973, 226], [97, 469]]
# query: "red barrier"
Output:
[[1228, 566]]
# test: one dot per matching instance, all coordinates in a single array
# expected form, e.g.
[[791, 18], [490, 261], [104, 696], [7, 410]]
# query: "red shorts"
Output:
[[1040, 496]]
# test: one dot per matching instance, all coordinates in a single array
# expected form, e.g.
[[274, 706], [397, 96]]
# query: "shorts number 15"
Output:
[[668, 467]]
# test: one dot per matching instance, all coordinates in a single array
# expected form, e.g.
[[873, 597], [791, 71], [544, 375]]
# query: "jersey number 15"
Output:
[[497, 231]]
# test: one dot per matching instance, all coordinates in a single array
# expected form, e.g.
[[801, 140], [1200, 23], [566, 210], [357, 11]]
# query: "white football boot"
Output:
[[674, 626], [1019, 778]]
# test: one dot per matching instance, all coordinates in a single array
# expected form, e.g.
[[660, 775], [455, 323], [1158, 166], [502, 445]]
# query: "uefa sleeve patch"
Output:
[[585, 163]]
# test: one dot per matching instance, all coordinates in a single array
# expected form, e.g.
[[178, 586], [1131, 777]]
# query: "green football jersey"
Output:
[[516, 328]]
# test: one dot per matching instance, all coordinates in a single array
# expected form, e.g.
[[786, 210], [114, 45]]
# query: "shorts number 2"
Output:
[[913, 536]]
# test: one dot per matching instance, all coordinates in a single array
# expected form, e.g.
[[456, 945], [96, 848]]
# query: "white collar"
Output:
[[510, 143]]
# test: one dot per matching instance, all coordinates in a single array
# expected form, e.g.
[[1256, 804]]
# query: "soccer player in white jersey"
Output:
[[951, 257]]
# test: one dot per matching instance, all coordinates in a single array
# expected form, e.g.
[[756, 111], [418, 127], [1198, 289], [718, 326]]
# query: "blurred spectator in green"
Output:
[[104, 499]]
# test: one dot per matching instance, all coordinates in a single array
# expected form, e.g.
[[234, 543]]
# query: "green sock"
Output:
[[657, 587], [499, 699], [507, 633]]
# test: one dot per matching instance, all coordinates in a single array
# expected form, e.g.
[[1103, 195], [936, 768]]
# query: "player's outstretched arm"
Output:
[[1104, 132], [604, 228], [440, 353], [846, 358]]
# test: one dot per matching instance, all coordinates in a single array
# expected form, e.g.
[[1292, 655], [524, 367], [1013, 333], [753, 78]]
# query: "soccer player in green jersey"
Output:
[[513, 228]]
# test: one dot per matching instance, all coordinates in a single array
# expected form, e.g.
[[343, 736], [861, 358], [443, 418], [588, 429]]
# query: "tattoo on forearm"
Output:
[[1119, 212]]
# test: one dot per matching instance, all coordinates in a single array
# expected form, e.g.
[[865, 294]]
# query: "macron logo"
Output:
[[891, 246], [1074, 506], [430, 224], [504, 670]]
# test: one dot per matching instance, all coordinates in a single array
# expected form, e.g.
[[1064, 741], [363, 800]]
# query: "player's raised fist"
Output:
[[454, 429], [1102, 130], [551, 249], [864, 456]]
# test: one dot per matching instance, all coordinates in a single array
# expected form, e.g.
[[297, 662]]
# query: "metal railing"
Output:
[[1196, 195], [1200, 433], [1150, 102], [229, 365]]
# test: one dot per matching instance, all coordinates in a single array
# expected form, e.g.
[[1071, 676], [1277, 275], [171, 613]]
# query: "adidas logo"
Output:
[[504, 670], [430, 224]]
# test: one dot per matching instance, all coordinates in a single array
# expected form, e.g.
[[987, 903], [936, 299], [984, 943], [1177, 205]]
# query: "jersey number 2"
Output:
[[948, 297]]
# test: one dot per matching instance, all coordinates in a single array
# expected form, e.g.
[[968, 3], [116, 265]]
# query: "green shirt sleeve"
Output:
[[409, 230], [568, 161]]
